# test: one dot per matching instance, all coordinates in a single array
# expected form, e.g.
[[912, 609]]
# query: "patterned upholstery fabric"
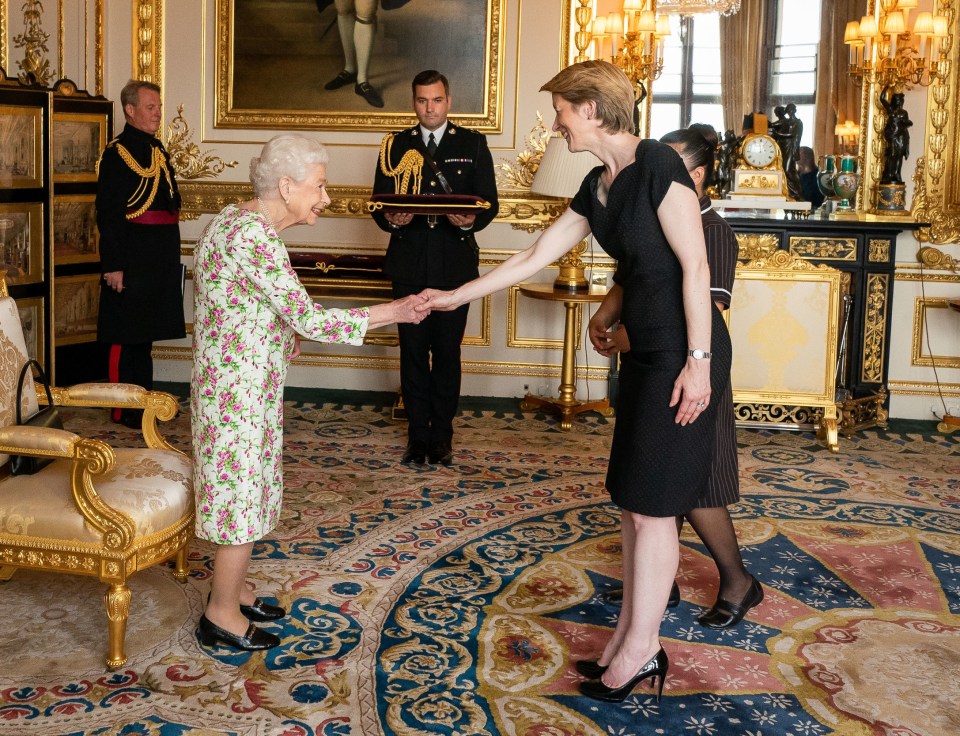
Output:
[[152, 487]]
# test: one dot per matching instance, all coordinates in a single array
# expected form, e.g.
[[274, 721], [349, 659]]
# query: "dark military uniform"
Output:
[[431, 252], [137, 214]]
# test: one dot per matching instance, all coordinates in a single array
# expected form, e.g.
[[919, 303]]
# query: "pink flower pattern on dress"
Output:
[[248, 302]]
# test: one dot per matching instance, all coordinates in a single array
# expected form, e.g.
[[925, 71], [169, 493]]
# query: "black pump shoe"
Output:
[[614, 596], [725, 615], [261, 611], [655, 668], [590, 668], [255, 639]]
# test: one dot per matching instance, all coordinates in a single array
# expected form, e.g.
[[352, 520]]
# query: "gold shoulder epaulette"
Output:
[[410, 167]]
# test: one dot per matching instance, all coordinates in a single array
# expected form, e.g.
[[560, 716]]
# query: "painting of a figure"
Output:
[[349, 63], [20, 147], [31, 321]]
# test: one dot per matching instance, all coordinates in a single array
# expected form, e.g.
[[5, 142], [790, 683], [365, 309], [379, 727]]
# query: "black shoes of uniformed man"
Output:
[[439, 453]]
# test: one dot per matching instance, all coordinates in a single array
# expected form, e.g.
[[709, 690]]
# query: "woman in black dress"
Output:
[[739, 590], [642, 208]]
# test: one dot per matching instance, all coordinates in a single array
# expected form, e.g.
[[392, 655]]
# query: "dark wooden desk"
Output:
[[566, 405]]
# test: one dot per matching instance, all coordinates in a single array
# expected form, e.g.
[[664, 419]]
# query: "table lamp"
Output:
[[560, 174]]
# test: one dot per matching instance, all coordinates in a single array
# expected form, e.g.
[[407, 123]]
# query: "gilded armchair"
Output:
[[95, 510]]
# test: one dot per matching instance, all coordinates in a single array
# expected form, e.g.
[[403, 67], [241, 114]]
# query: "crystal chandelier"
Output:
[[692, 7]]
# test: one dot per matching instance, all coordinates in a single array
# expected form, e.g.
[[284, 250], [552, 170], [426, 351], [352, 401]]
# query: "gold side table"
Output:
[[566, 405]]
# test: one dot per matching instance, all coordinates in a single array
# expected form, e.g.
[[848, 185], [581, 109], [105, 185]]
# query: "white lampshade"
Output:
[[561, 173], [923, 25]]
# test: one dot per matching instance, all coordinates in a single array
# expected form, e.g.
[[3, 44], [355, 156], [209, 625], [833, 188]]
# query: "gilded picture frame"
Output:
[[273, 72], [78, 139], [21, 147], [75, 235], [21, 242], [76, 303], [31, 320]]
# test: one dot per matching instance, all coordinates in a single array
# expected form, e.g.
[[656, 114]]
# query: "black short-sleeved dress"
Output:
[[657, 467]]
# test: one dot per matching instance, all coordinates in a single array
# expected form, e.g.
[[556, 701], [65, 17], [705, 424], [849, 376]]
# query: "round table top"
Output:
[[547, 292]]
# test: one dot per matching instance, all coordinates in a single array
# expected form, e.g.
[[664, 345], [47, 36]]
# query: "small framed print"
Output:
[[21, 242], [31, 319], [76, 303], [78, 139], [21, 147], [75, 234]]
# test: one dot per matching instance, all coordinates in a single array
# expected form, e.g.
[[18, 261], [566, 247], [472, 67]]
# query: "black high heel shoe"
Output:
[[590, 668], [255, 639], [725, 615], [655, 668], [261, 611]]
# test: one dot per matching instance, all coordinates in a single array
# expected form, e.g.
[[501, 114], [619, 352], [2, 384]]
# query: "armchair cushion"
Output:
[[145, 484]]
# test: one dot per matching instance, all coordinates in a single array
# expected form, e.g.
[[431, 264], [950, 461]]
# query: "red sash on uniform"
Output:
[[156, 217]]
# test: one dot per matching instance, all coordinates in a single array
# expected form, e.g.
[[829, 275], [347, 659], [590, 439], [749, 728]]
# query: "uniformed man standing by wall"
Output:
[[435, 251], [138, 213]]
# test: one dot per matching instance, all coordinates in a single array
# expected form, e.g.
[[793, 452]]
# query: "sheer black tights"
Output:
[[715, 527]]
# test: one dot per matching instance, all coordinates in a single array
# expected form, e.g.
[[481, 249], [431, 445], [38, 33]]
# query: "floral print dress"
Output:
[[248, 302]]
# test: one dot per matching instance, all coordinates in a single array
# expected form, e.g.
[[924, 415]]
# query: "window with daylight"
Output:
[[689, 90]]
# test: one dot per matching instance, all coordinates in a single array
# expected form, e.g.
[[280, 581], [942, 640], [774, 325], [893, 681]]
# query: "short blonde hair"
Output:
[[289, 154], [603, 84]]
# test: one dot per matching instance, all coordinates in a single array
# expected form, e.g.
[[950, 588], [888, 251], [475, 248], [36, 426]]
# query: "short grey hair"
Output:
[[130, 94], [289, 154]]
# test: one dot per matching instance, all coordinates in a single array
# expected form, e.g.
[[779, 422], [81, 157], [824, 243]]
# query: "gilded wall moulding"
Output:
[[148, 40], [185, 155], [825, 249], [520, 174], [937, 195], [34, 67], [934, 258], [756, 245]]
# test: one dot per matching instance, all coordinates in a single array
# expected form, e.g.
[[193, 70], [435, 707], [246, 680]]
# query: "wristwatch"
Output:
[[698, 354]]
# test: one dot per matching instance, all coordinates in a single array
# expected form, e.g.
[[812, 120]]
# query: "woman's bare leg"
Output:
[[228, 587]]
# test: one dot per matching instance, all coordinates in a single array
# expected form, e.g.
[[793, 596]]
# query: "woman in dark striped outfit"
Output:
[[739, 591]]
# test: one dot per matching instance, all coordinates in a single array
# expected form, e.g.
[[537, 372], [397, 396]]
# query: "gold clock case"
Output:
[[753, 181]]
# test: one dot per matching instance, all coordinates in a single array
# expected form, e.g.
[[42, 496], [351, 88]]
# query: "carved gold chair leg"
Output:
[[828, 429], [117, 600], [181, 570], [6, 572]]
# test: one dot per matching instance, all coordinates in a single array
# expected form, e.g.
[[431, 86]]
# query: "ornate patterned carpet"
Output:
[[452, 600]]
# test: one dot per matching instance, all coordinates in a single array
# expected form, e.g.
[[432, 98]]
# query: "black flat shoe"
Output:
[[368, 93], [725, 614], [614, 596], [255, 639], [589, 668], [415, 454], [261, 611], [441, 454], [655, 668], [341, 80]]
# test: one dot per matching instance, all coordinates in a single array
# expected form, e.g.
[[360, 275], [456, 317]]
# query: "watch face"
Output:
[[759, 151]]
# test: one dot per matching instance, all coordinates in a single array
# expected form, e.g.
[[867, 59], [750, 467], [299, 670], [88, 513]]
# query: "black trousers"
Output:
[[131, 364], [430, 371]]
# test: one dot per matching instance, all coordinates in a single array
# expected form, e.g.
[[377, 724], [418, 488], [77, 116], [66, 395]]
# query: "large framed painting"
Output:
[[21, 242], [21, 147], [78, 140], [76, 304], [279, 65], [75, 235]]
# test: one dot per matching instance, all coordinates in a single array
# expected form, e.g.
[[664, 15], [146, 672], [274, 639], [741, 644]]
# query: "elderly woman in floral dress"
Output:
[[249, 311]]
